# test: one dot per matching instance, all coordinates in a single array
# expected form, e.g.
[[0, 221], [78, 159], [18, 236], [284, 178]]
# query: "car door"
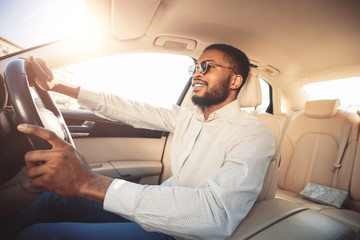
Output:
[[116, 149]]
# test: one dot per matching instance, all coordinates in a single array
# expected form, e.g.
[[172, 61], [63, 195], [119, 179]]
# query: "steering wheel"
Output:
[[32, 105]]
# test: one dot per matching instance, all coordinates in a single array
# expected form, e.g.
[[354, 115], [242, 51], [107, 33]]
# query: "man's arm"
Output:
[[110, 106], [217, 207], [65, 170], [46, 80], [63, 163]]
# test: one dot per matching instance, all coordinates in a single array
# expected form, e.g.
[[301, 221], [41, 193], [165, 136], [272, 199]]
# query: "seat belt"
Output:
[[288, 118], [342, 145]]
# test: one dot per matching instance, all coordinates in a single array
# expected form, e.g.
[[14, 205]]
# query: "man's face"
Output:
[[212, 88]]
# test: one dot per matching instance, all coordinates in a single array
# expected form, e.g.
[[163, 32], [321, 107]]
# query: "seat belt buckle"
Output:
[[336, 166]]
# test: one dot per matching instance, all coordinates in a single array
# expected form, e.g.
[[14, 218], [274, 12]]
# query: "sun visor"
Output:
[[131, 19]]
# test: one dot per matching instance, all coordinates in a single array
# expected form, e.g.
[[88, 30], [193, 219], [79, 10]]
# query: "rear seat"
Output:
[[349, 216], [272, 218], [354, 202], [309, 151]]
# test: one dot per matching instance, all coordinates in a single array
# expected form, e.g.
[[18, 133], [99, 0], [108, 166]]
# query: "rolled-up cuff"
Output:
[[88, 99], [121, 198]]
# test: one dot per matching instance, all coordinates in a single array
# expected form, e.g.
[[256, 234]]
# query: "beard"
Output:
[[214, 96]]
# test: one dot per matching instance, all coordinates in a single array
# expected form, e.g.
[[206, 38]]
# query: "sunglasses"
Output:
[[204, 66]]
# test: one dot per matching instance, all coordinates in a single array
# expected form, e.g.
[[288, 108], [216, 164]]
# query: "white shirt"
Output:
[[218, 168]]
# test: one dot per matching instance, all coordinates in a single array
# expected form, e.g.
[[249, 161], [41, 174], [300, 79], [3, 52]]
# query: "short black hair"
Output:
[[237, 59]]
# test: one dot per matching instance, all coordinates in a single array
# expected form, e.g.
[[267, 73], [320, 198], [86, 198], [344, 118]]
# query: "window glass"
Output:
[[30, 23], [346, 90], [157, 79], [265, 92]]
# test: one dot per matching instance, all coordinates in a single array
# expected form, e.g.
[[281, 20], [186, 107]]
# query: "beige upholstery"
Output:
[[347, 217], [250, 93], [270, 216], [310, 147], [354, 199], [306, 225], [263, 215], [351, 215], [250, 96], [321, 109], [309, 150], [269, 187], [280, 219]]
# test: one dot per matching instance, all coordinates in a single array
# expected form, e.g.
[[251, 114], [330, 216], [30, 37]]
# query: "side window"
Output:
[[266, 97], [266, 103], [157, 79]]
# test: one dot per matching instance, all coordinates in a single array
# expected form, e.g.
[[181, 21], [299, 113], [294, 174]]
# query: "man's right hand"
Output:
[[44, 77], [63, 169]]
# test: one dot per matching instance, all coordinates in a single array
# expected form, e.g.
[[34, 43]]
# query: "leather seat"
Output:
[[309, 150], [250, 97], [351, 215], [272, 218]]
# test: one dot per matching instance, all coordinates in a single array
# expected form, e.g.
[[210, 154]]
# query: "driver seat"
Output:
[[250, 97]]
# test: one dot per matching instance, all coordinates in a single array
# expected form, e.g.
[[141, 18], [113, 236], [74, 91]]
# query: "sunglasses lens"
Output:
[[192, 70], [203, 67]]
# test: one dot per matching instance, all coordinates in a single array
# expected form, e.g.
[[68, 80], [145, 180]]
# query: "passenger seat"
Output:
[[309, 150]]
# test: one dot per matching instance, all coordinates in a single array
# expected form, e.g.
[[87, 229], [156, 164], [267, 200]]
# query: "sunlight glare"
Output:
[[60, 19], [346, 90], [136, 76]]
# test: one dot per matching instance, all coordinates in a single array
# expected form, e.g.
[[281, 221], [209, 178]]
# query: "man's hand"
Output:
[[62, 169], [44, 77]]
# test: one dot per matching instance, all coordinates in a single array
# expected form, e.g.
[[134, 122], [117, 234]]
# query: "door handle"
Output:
[[86, 126]]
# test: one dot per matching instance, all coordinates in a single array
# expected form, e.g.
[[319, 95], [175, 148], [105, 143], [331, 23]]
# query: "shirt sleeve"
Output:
[[210, 212], [139, 115]]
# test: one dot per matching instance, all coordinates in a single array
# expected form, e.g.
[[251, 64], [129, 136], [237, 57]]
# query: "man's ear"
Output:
[[236, 82]]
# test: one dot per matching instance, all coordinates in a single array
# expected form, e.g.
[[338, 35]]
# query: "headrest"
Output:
[[250, 93], [321, 108]]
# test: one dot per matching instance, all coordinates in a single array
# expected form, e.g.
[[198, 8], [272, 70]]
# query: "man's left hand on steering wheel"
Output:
[[44, 77]]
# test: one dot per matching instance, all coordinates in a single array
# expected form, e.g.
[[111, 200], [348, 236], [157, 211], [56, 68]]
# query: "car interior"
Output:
[[290, 44]]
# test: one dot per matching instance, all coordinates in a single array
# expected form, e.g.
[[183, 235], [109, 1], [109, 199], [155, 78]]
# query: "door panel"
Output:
[[84, 123], [115, 149]]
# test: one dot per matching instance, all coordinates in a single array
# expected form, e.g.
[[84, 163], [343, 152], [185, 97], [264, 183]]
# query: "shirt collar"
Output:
[[228, 113]]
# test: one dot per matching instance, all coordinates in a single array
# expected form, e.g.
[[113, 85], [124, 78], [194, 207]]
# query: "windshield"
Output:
[[25, 24]]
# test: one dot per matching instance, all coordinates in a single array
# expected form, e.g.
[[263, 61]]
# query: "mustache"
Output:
[[198, 80]]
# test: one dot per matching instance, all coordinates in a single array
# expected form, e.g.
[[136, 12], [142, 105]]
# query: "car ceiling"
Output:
[[296, 37], [292, 42]]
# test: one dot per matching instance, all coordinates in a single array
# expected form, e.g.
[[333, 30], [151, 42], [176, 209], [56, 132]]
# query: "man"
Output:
[[219, 158]]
